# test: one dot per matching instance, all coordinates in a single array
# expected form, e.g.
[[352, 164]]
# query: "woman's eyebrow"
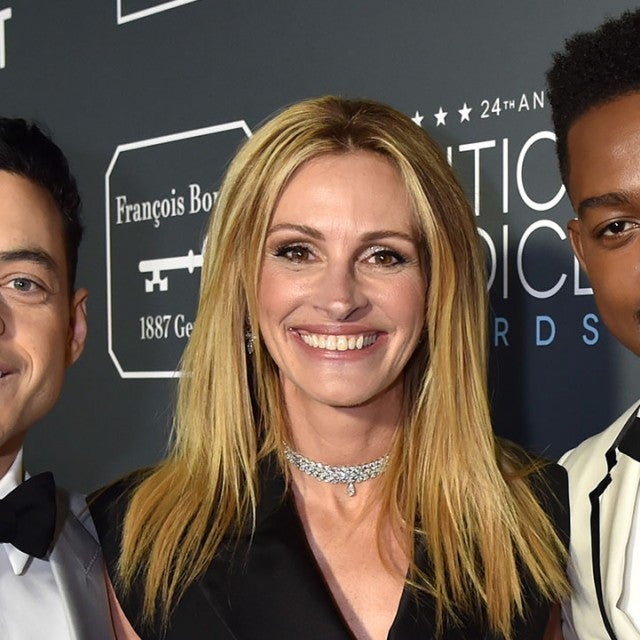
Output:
[[387, 233], [318, 235], [301, 228]]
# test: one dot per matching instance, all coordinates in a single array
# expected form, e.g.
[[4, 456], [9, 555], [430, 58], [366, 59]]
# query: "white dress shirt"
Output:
[[31, 607]]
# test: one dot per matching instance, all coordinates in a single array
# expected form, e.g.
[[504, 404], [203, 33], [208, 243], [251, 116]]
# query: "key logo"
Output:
[[159, 194]]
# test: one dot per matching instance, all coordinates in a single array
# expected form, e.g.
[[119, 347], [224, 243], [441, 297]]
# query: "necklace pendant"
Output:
[[348, 475]]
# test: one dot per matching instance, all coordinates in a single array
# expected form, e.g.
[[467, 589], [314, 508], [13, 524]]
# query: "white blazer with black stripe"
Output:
[[604, 482]]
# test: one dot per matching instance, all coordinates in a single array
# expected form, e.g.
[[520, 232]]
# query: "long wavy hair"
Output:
[[454, 487]]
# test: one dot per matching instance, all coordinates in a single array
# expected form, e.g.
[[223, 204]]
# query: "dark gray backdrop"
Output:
[[149, 101]]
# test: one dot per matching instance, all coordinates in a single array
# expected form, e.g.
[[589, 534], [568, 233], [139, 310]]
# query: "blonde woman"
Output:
[[334, 473]]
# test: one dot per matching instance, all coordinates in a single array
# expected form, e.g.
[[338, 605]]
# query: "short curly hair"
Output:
[[25, 150], [595, 67]]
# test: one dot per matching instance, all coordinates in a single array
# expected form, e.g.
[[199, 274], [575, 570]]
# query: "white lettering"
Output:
[[5, 14], [536, 206], [505, 175], [588, 323], [476, 147], [538, 99], [548, 224], [181, 328], [149, 210], [199, 200], [121, 202], [577, 289], [493, 260], [501, 328], [540, 341]]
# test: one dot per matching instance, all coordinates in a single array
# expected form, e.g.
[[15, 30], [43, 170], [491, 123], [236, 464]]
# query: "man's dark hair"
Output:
[[595, 67], [26, 151]]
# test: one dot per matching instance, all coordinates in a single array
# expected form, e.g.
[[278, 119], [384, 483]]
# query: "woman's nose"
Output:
[[340, 293]]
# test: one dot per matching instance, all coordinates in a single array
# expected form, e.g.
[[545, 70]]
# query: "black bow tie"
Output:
[[28, 515]]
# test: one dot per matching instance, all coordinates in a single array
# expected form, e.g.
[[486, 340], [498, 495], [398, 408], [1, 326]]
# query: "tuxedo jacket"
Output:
[[267, 585], [604, 481], [78, 569]]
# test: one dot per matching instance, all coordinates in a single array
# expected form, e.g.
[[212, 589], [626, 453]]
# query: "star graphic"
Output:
[[418, 118], [464, 113], [440, 117]]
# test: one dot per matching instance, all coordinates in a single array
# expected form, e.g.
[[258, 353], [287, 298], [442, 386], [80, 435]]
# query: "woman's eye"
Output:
[[295, 253], [385, 258]]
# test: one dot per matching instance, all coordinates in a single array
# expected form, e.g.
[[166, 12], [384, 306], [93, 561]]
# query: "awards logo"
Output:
[[159, 194]]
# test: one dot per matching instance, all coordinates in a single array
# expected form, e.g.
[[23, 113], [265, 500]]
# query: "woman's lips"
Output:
[[338, 342]]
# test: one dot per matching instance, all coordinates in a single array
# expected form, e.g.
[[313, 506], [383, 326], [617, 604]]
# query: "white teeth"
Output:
[[337, 343]]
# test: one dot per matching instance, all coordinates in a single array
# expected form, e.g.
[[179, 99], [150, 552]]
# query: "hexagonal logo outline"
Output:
[[130, 146], [144, 13]]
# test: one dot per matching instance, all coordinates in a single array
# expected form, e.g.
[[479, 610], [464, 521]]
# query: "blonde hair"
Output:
[[472, 496]]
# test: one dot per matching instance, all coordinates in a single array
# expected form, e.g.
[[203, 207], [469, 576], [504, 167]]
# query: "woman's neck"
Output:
[[342, 435]]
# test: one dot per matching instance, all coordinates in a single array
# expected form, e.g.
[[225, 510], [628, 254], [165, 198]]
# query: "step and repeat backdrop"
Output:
[[150, 99]]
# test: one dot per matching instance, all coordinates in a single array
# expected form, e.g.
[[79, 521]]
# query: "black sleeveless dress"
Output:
[[269, 587]]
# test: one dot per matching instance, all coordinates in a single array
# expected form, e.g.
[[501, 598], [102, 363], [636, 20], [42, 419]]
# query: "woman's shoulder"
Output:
[[547, 480], [552, 488], [108, 507], [115, 496], [550, 483]]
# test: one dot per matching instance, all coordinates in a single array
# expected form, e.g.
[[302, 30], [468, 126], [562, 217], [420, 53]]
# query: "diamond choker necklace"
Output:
[[337, 475]]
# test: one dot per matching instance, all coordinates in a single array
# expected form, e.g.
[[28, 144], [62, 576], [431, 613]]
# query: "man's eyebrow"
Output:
[[367, 237], [36, 256], [615, 199]]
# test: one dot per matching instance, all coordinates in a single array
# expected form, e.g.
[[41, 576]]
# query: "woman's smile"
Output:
[[332, 342], [342, 290]]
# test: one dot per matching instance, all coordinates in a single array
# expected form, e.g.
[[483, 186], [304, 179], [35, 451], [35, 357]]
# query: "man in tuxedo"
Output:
[[51, 576], [594, 90]]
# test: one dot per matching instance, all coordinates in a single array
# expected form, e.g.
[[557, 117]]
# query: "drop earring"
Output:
[[248, 339]]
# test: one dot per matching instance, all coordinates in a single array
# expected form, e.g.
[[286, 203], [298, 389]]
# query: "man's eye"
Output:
[[23, 284], [616, 228]]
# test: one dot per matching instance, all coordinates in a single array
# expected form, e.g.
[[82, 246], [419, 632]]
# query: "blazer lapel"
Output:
[[612, 510], [77, 566], [268, 585]]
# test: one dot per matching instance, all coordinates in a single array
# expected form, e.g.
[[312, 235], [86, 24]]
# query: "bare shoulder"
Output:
[[121, 625]]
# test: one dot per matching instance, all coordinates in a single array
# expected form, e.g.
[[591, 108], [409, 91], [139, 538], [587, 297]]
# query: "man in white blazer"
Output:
[[51, 572], [594, 90]]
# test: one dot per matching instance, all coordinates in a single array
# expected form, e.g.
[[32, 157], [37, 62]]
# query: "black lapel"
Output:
[[628, 442], [268, 585], [415, 618]]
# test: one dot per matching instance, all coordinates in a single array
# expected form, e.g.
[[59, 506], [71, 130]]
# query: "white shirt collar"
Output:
[[11, 479]]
